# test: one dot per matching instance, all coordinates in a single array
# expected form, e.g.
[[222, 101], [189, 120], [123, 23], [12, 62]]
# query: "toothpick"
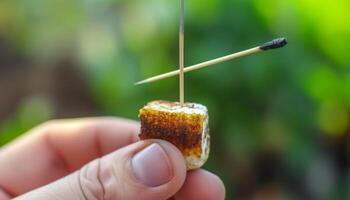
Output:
[[274, 44], [182, 52]]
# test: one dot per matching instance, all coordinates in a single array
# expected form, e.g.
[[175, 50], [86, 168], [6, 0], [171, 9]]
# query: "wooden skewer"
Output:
[[182, 52], [274, 44]]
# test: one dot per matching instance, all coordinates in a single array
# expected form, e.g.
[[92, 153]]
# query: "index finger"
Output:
[[57, 148]]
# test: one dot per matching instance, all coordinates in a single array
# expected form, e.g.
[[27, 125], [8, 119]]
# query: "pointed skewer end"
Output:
[[140, 82]]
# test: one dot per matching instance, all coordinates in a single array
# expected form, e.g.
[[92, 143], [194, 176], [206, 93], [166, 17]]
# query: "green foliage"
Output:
[[32, 111]]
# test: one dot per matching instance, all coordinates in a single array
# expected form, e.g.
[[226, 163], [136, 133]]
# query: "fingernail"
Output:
[[152, 166]]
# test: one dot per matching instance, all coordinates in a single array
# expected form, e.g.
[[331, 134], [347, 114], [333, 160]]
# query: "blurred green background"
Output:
[[279, 120]]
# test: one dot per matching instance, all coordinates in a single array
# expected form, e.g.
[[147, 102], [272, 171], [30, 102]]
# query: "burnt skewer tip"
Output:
[[274, 44]]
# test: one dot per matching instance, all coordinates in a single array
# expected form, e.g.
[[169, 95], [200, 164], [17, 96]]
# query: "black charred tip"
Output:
[[274, 44]]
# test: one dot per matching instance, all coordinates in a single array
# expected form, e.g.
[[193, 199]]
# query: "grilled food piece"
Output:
[[184, 126]]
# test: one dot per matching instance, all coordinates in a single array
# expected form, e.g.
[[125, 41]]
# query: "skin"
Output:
[[86, 159]]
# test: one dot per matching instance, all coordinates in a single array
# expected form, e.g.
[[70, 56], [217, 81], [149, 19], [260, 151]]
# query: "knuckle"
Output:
[[90, 182], [102, 179]]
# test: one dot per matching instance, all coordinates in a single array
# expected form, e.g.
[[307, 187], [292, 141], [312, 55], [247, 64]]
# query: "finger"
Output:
[[57, 148], [201, 185], [146, 170], [4, 196]]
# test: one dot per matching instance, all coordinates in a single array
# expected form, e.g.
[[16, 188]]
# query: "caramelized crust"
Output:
[[181, 129], [184, 126]]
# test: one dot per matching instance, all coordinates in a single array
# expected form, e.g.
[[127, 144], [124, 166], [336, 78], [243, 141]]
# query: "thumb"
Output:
[[146, 170]]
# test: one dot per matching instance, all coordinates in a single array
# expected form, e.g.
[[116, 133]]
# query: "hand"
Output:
[[98, 159]]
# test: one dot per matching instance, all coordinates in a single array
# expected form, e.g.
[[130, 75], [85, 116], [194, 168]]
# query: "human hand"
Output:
[[99, 158]]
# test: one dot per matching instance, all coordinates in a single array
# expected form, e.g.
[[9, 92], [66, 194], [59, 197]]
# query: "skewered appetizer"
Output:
[[184, 126]]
